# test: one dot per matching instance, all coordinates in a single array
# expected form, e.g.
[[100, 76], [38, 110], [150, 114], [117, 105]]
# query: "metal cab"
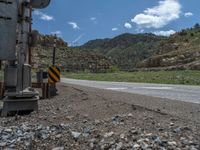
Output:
[[8, 25]]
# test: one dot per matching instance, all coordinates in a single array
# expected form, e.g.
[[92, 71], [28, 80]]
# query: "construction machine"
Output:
[[16, 40]]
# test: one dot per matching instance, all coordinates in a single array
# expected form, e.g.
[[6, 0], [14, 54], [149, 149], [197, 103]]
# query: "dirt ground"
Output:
[[87, 118]]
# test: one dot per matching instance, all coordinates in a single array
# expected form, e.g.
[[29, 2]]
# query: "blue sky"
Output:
[[78, 21]]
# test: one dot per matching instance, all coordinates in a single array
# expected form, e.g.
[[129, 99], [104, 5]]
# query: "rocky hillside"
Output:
[[125, 50], [180, 51], [66, 58]]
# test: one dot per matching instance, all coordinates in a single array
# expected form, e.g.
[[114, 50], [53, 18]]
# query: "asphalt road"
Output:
[[173, 92]]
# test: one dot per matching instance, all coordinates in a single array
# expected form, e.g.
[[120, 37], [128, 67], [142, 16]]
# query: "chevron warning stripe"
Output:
[[53, 74]]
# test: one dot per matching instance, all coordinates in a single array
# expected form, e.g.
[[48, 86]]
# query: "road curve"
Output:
[[173, 92]]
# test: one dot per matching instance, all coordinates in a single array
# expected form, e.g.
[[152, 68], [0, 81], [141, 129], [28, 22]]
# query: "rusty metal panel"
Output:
[[8, 23]]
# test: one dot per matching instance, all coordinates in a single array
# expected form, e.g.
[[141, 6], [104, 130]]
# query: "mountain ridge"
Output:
[[126, 49], [148, 51], [127, 52]]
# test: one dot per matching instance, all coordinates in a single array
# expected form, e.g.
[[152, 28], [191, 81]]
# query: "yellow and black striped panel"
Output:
[[53, 74]]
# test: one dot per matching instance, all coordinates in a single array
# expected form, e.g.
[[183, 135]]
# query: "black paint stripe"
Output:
[[54, 71], [51, 69], [57, 69], [54, 80], [53, 76]]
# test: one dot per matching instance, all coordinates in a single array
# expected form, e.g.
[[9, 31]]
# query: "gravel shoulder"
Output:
[[88, 118]]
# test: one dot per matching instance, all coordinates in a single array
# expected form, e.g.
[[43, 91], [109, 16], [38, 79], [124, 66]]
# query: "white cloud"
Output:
[[114, 29], [188, 14], [127, 25], [159, 16], [139, 30], [43, 16], [164, 33], [77, 39], [58, 33], [93, 18], [74, 25]]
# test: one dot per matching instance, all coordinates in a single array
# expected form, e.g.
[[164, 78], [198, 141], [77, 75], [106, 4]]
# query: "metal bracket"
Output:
[[5, 1], [5, 18]]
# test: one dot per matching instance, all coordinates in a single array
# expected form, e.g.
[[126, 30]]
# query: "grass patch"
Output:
[[163, 77]]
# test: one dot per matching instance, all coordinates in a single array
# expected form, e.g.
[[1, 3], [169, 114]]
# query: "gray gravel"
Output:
[[86, 118], [79, 135]]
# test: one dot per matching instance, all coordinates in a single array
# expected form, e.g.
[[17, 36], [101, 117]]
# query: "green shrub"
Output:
[[113, 69]]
